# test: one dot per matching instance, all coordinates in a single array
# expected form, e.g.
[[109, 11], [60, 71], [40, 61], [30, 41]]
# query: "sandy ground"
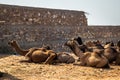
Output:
[[16, 68]]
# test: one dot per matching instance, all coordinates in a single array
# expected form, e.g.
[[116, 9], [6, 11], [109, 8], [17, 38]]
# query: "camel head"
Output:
[[73, 43], [12, 43], [79, 40], [109, 44], [94, 44], [74, 46], [47, 47], [70, 43]]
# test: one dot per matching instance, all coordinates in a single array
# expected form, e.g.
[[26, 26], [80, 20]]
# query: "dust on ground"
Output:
[[17, 68]]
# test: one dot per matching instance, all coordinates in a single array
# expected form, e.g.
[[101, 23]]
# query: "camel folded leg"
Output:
[[29, 54], [50, 59]]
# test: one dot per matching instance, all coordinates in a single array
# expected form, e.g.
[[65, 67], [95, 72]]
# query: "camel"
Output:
[[109, 49], [110, 52], [93, 59], [117, 62], [38, 55], [42, 54], [65, 57], [61, 57]]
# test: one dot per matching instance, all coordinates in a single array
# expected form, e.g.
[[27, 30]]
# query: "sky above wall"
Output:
[[99, 12]]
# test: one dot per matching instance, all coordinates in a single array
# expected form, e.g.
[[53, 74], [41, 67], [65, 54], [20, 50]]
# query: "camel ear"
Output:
[[98, 41], [13, 41]]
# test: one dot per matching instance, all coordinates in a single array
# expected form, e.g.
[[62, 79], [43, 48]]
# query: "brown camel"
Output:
[[93, 59], [61, 57], [38, 55], [110, 52], [42, 54], [117, 62]]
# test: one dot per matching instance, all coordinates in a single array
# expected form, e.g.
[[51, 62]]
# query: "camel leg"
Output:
[[83, 59], [31, 50], [71, 60], [50, 58]]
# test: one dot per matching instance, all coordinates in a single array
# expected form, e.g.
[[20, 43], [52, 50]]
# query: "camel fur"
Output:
[[110, 52], [43, 54], [36, 55], [117, 62], [109, 49], [93, 59]]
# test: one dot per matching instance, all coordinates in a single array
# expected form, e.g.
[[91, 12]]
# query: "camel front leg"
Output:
[[29, 54], [50, 58], [31, 50]]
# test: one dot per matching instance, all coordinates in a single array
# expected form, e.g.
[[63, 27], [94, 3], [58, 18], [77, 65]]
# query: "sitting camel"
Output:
[[93, 59], [110, 52], [117, 62], [61, 57], [43, 54], [38, 56]]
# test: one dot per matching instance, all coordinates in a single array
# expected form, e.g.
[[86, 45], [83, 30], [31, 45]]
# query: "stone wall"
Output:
[[12, 15], [35, 27], [36, 36]]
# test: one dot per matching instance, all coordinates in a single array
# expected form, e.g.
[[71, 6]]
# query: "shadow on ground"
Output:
[[6, 76]]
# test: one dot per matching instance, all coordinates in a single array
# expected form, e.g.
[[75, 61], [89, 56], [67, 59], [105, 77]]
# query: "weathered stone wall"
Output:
[[36, 36], [34, 27], [12, 15]]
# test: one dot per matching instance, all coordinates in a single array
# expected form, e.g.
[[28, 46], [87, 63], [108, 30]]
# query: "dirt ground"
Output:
[[16, 68]]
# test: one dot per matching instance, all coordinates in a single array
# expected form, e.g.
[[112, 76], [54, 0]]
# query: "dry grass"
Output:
[[15, 68]]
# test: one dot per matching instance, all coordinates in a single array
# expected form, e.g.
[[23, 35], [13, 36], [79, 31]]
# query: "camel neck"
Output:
[[19, 50], [77, 51]]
